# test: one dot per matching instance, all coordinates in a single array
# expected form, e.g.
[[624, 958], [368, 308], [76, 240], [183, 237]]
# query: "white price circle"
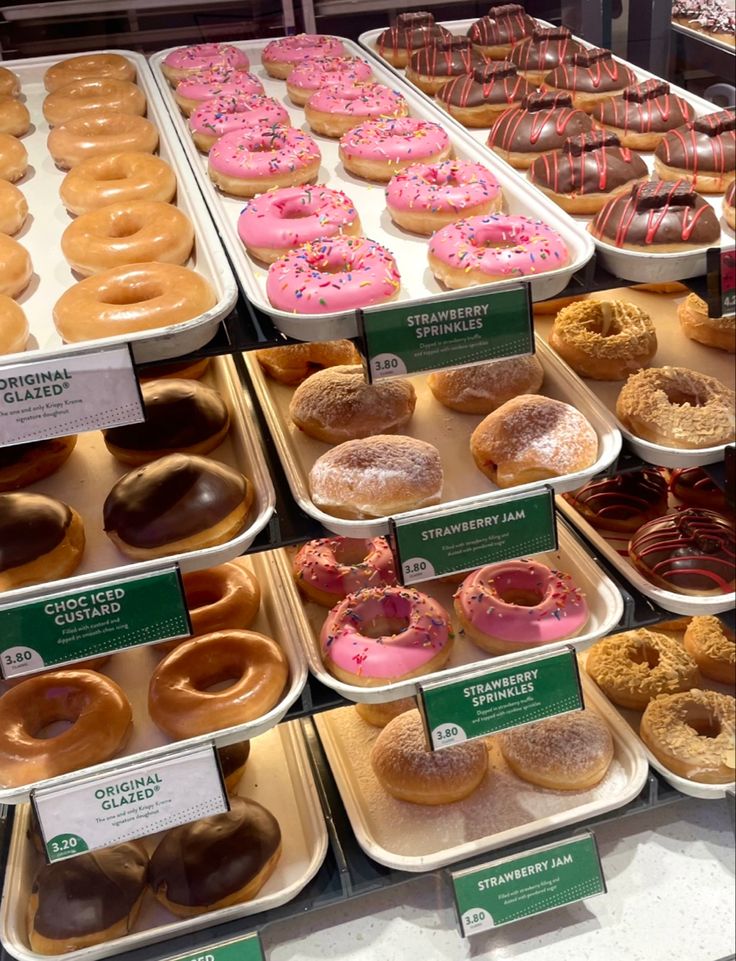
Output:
[[20, 660], [387, 365], [477, 919], [417, 569], [445, 735]]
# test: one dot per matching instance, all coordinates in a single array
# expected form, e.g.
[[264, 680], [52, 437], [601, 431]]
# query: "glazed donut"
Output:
[[214, 118], [108, 887], [180, 700], [174, 504], [133, 232], [409, 33], [117, 178], [425, 197], [226, 597], [99, 716], [634, 667], [542, 122], [110, 66], [42, 540], [181, 63], [14, 328], [623, 502], [476, 99], [13, 158], [703, 152], [696, 324], [696, 488], [378, 149], [9, 83], [677, 407], [692, 735], [216, 84], [329, 569], [247, 162], [314, 73], [430, 67], [712, 646], [497, 33], [97, 135], [288, 217], [604, 339], [295, 362], [644, 112], [93, 95], [406, 768], [24, 464], [377, 477], [216, 861], [233, 759], [14, 117], [336, 274], [279, 57], [545, 49], [16, 268], [382, 635], [181, 416], [482, 388], [378, 715], [338, 404], [594, 78], [124, 300], [569, 752], [481, 250], [13, 208], [532, 438], [332, 111], [729, 212]]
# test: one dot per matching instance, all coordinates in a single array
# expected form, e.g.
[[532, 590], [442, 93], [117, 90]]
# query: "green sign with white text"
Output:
[[247, 948]]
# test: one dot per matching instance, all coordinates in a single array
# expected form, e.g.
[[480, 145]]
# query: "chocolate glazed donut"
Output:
[[41, 539], [624, 502]]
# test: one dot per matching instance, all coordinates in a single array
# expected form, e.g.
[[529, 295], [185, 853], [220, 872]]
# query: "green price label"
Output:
[[73, 625], [508, 890], [486, 702], [247, 948], [447, 543], [64, 846], [450, 332]]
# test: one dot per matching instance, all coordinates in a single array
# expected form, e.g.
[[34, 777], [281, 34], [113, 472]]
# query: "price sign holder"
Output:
[[721, 267], [109, 616], [451, 541], [523, 885], [453, 331], [486, 701], [246, 948], [130, 802]]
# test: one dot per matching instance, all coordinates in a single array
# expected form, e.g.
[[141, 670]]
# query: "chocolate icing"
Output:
[[201, 863], [545, 125], [10, 456], [89, 893], [171, 498], [233, 756], [502, 25], [586, 164], [644, 108], [693, 148], [449, 57], [179, 414], [591, 71], [490, 83], [622, 499], [648, 90], [410, 37], [545, 49], [688, 481], [31, 525]]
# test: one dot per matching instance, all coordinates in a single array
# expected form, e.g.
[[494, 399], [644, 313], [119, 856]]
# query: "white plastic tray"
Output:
[[48, 219], [410, 250], [449, 431], [604, 602], [503, 810], [277, 775], [703, 37]]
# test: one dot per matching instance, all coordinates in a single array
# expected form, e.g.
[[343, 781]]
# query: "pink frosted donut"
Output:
[[333, 275], [248, 162], [184, 61], [425, 197], [311, 75], [386, 634], [212, 84], [519, 604], [214, 118], [332, 111], [329, 569], [279, 57], [288, 217], [378, 149], [483, 249]]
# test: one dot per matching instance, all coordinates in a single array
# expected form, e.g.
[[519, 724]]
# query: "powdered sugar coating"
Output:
[[482, 388]]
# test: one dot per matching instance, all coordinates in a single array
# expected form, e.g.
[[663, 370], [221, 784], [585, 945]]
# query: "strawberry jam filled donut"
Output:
[[247, 162], [332, 111], [329, 569], [214, 118], [333, 275], [281, 56], [185, 61], [212, 84], [281, 219], [313, 74], [378, 149]]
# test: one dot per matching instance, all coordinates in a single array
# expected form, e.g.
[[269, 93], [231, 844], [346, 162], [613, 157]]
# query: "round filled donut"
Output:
[[24, 464], [712, 645], [13, 208], [293, 363], [698, 325], [117, 178], [332, 111], [110, 66], [14, 329], [13, 158], [214, 118], [313, 73], [220, 82], [16, 268], [185, 61], [483, 388], [328, 569], [41, 539], [233, 759], [99, 134], [247, 162], [378, 149], [279, 57]]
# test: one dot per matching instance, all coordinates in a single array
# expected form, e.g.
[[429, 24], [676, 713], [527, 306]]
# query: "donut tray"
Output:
[[89, 474], [633, 718], [703, 37], [277, 775], [409, 249], [503, 810], [640, 267], [673, 349], [48, 218], [448, 430], [604, 602]]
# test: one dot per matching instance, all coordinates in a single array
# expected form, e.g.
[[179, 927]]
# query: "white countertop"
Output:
[[670, 877]]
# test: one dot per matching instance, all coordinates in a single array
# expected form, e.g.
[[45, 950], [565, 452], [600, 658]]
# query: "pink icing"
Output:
[[208, 84], [204, 56], [313, 74], [294, 49], [324, 565], [341, 273], [291, 216], [359, 100], [217, 117], [397, 139], [445, 187], [392, 655], [561, 610], [262, 151], [471, 245]]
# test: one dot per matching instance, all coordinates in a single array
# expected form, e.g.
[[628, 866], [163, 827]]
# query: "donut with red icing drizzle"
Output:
[[702, 151], [432, 66], [496, 34], [590, 76], [543, 51], [543, 121], [728, 205], [477, 99], [411, 32], [696, 488], [643, 114], [623, 502]]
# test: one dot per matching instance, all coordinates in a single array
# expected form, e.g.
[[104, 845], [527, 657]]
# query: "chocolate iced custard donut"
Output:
[[497, 33], [216, 861], [543, 122], [623, 502], [432, 66], [41, 539], [590, 76], [176, 503], [410, 33], [24, 464], [233, 759], [106, 888], [643, 114], [544, 50], [703, 152], [478, 98]]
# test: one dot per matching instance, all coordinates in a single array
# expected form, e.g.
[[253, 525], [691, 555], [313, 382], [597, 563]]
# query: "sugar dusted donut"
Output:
[[482, 388], [111, 66], [712, 646], [287, 217], [93, 95], [14, 328], [279, 57], [14, 118], [184, 61], [214, 118], [13, 208], [117, 178], [9, 83], [314, 73], [332, 111], [16, 268], [13, 158], [293, 363], [378, 149], [385, 634], [98, 134], [42, 539], [329, 569], [248, 162], [198, 88]]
